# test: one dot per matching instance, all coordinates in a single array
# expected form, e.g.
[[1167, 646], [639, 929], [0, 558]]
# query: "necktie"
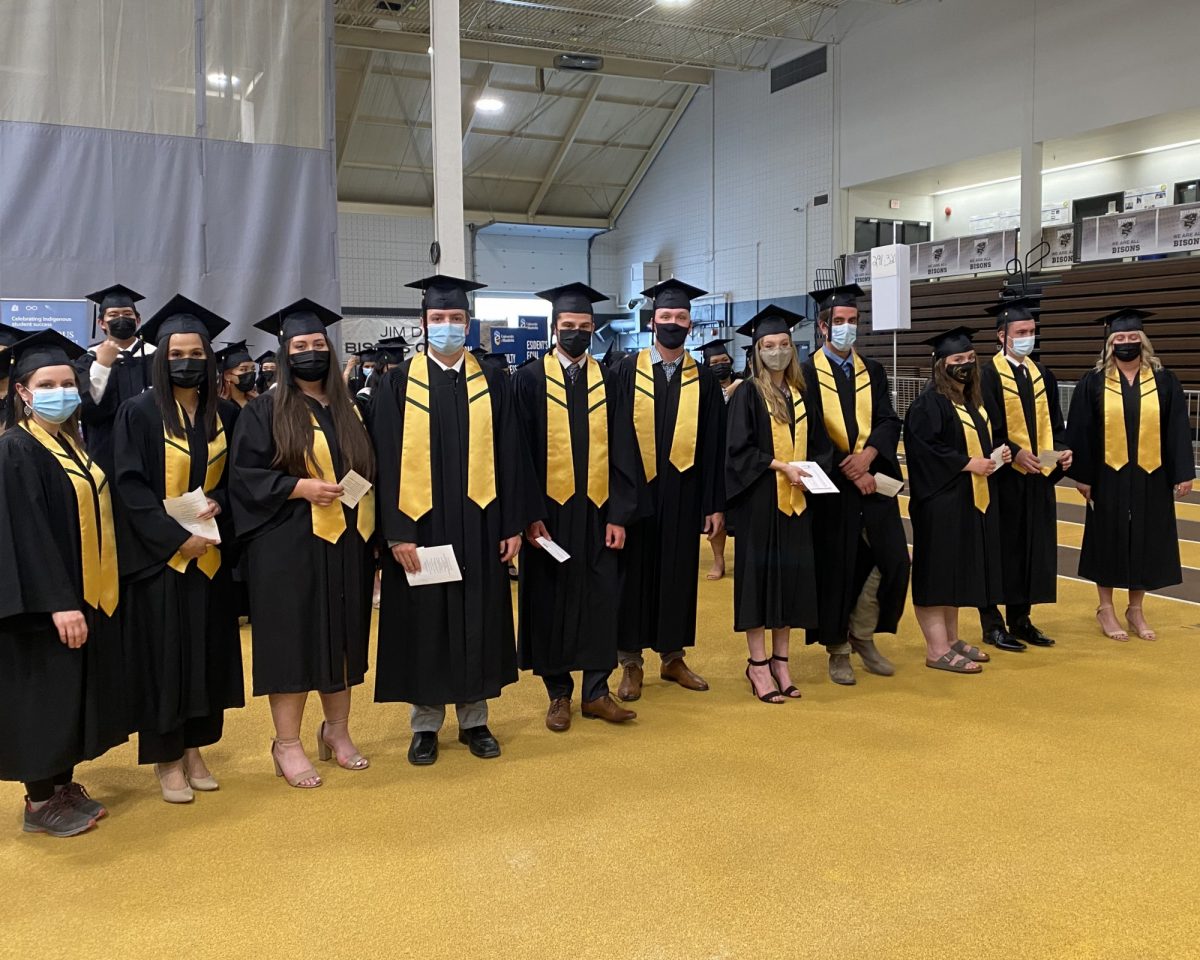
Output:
[[452, 375], [573, 372]]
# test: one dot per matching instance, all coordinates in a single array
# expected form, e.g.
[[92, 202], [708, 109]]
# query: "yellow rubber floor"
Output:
[[1046, 809]]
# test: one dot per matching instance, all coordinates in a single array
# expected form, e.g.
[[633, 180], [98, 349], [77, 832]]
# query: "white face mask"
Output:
[[843, 335], [1022, 346]]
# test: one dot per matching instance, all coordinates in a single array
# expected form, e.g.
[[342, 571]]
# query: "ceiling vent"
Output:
[[802, 68], [578, 61]]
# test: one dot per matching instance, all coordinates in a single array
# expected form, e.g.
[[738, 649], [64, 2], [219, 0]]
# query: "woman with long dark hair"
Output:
[[954, 511], [61, 658], [308, 554], [185, 654]]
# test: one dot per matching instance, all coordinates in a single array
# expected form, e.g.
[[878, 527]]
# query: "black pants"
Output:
[[595, 685], [990, 619], [39, 791], [155, 747]]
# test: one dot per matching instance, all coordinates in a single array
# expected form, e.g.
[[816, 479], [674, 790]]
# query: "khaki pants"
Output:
[[865, 614]]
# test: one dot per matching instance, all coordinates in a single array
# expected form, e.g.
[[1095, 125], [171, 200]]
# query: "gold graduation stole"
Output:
[[789, 499], [177, 463], [329, 522], [831, 403], [97, 536], [979, 485], [560, 454], [687, 420], [416, 479], [1116, 444], [1014, 412]]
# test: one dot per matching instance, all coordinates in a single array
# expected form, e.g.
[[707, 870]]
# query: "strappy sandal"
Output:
[[954, 662], [771, 696], [304, 780], [970, 652], [1118, 634], [1146, 634], [326, 752], [792, 692]]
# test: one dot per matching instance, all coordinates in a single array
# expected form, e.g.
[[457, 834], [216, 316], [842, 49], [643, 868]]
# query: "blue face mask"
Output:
[[55, 404], [1022, 346], [843, 335], [447, 338]]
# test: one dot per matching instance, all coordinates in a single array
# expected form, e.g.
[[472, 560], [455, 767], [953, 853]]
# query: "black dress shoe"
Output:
[[1030, 634], [1003, 640], [424, 749], [481, 742]]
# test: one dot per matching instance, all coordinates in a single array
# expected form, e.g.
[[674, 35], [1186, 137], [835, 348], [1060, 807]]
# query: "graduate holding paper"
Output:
[[770, 426], [585, 461], [453, 471], [180, 618], [308, 555]]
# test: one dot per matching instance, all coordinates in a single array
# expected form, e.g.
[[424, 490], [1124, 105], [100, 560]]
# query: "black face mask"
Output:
[[1126, 352], [670, 335], [310, 366], [265, 379], [189, 372], [245, 382], [962, 372], [575, 343], [122, 328], [722, 371]]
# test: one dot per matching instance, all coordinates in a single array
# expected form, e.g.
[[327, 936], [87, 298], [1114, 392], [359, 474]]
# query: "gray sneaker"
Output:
[[57, 817], [78, 797]]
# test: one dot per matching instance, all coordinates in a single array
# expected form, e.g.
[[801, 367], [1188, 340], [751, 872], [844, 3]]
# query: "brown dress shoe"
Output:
[[606, 708], [678, 672], [558, 717], [840, 670], [872, 659], [631, 683]]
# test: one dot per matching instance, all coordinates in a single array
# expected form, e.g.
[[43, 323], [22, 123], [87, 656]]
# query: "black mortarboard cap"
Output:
[[298, 319], [46, 348], [367, 355], [770, 319], [572, 298], [181, 315], [673, 295], [268, 357], [233, 355], [951, 342], [394, 347], [10, 335], [718, 346], [115, 296], [440, 292], [1124, 320], [844, 296], [1014, 309]]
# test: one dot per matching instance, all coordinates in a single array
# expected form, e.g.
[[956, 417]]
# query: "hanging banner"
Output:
[[857, 268], [937, 259], [71, 318], [362, 333], [987, 252], [1179, 228], [1062, 246], [518, 344], [1124, 235]]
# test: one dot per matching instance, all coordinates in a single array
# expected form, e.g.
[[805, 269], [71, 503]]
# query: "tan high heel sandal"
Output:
[[300, 778], [1146, 634], [326, 752], [1118, 634]]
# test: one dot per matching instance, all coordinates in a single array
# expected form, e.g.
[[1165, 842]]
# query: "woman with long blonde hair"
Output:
[[769, 429], [1129, 430]]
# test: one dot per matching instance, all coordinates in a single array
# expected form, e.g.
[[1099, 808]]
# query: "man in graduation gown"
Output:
[[584, 458], [453, 471], [8, 336], [862, 576], [678, 421], [1021, 397], [113, 370]]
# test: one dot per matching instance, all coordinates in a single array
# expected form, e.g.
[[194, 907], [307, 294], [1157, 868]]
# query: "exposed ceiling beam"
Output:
[[501, 177], [473, 216], [483, 76], [561, 153], [507, 134], [343, 135], [653, 153], [389, 41]]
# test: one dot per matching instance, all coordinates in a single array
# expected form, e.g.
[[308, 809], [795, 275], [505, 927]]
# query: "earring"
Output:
[[28, 410]]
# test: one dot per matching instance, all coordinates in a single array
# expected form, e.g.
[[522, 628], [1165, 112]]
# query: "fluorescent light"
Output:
[[674, 3], [489, 105], [975, 186], [222, 81]]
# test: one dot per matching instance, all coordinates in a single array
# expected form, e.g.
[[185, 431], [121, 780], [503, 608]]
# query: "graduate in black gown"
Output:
[[8, 336], [267, 364], [770, 427], [61, 658], [678, 418], [863, 575], [185, 656], [585, 461], [308, 555], [238, 374], [954, 506], [113, 370], [718, 359], [1021, 397], [1129, 430], [453, 471]]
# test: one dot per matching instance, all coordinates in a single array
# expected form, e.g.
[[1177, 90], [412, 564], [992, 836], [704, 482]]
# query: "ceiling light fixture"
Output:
[[489, 105], [221, 80]]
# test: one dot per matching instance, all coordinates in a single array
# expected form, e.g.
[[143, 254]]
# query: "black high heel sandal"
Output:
[[772, 696], [792, 692]]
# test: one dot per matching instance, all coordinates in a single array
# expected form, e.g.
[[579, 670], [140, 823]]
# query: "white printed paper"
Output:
[[185, 511], [1049, 459], [354, 488], [998, 457], [438, 565], [817, 480], [552, 548], [888, 486]]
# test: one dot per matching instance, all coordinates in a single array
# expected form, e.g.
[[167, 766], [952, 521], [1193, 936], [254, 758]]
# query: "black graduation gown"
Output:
[[839, 522], [1130, 539], [956, 549], [661, 558], [58, 706], [449, 642], [568, 611], [185, 653], [310, 600], [130, 376], [1028, 511], [774, 579]]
